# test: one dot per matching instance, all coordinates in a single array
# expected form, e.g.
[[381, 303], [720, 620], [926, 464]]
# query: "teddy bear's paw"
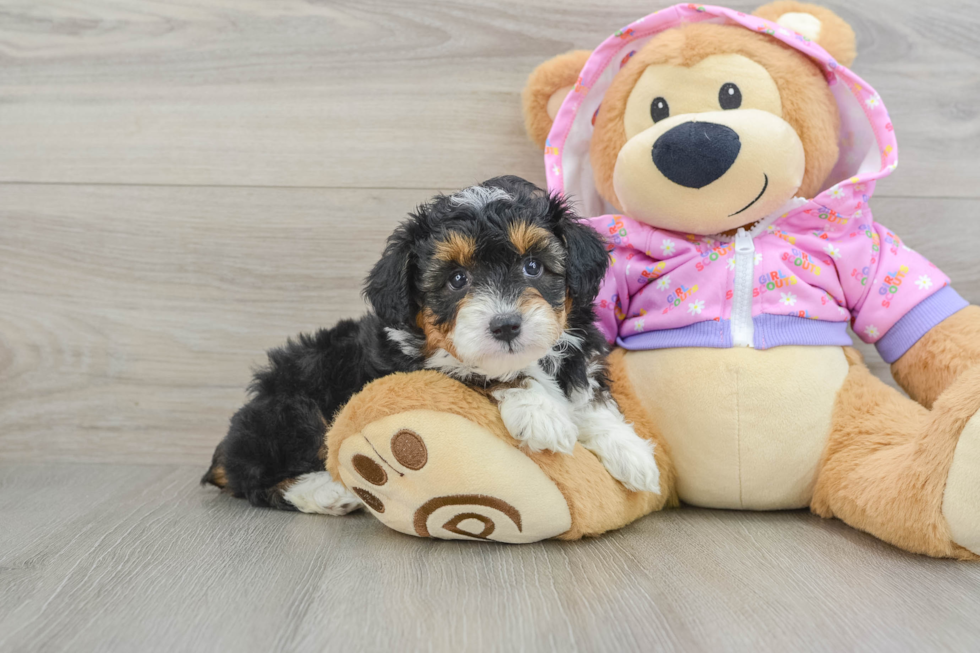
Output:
[[961, 498], [319, 493], [435, 474], [537, 420]]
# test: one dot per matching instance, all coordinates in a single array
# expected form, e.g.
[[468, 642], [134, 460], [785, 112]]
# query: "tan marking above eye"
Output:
[[525, 236], [456, 248], [694, 89]]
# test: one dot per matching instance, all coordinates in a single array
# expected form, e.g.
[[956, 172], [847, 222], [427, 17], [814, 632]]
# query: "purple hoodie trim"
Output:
[[780, 330], [918, 321], [710, 333], [770, 331]]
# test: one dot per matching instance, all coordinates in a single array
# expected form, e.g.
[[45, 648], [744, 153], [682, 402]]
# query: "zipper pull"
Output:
[[743, 241]]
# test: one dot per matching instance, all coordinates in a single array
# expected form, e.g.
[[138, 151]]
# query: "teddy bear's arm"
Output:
[[940, 356]]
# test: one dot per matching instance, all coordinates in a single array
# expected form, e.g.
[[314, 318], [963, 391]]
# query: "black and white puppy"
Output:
[[492, 285]]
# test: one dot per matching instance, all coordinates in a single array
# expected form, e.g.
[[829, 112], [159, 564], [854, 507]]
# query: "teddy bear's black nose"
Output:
[[694, 154]]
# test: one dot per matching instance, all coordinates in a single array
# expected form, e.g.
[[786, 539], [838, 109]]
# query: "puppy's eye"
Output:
[[458, 280], [729, 97], [659, 109], [533, 268]]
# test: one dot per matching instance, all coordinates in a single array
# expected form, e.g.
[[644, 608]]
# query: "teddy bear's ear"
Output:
[[817, 24], [545, 90]]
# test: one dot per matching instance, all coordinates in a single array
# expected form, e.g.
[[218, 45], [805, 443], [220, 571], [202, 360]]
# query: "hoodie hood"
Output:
[[868, 150]]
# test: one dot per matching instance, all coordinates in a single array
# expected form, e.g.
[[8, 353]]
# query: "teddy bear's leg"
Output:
[[901, 472], [431, 457]]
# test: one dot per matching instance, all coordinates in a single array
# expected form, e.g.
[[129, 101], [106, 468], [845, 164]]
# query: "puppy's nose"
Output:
[[506, 327], [694, 154]]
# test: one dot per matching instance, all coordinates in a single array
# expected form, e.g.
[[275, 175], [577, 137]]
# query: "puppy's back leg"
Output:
[[318, 492], [271, 456]]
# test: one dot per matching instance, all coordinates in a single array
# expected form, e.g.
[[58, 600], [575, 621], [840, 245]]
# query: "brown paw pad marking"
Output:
[[453, 525], [369, 470], [409, 449], [371, 501]]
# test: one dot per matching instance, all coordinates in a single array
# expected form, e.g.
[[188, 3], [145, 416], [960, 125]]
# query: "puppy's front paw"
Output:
[[537, 420], [633, 465], [626, 456]]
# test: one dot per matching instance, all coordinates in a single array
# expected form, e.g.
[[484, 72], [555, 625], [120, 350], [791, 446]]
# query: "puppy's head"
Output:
[[490, 279]]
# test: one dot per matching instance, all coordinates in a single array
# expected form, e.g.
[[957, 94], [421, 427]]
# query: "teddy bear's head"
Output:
[[708, 127]]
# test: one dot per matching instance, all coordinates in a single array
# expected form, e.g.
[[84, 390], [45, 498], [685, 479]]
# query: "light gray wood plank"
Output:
[[386, 94], [130, 316], [126, 305], [139, 558]]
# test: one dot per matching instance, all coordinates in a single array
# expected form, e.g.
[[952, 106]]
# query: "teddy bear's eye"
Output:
[[729, 97], [659, 109]]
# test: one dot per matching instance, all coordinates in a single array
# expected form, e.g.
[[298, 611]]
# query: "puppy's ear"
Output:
[[587, 258], [819, 24], [390, 288], [546, 89]]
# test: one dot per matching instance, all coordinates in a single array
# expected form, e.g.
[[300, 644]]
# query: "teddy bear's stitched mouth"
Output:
[[761, 193]]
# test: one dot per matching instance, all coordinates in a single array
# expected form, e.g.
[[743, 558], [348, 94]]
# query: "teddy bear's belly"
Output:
[[746, 428]]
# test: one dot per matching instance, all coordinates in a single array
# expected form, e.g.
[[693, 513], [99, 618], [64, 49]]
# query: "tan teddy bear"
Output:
[[729, 159]]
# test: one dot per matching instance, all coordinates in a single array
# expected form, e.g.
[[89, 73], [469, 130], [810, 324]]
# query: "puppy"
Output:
[[492, 285]]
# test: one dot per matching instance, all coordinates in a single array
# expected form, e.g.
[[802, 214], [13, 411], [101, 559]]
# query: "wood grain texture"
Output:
[[138, 558], [377, 93]]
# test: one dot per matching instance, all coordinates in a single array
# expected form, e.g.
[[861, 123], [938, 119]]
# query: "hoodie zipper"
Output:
[[743, 330]]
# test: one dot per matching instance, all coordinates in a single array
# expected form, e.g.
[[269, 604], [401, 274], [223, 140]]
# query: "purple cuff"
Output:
[[916, 323]]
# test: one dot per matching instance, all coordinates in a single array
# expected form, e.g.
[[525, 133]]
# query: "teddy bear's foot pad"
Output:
[[433, 474], [961, 499]]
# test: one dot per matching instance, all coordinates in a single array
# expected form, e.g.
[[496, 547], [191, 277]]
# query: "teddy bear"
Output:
[[728, 160]]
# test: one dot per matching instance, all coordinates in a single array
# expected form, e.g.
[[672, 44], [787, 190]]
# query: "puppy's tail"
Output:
[[216, 474]]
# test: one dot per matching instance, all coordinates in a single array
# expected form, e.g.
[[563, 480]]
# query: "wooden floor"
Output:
[[184, 184]]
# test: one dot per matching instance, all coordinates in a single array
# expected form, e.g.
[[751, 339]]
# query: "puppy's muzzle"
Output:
[[505, 327], [694, 154]]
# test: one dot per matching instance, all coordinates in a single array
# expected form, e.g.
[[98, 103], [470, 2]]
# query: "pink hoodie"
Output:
[[798, 276]]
